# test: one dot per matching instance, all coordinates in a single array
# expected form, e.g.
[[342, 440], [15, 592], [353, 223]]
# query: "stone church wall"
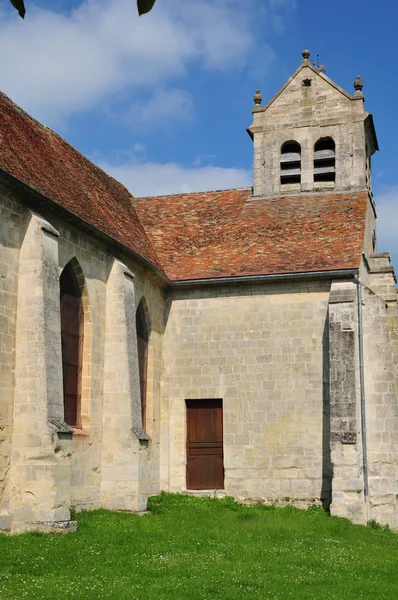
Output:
[[12, 225], [84, 448], [282, 356], [345, 403], [381, 356], [46, 471], [263, 350]]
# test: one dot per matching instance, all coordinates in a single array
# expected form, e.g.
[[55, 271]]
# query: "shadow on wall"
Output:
[[327, 471]]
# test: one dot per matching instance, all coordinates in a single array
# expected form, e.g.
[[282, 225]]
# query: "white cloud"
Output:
[[160, 108], [280, 9], [153, 179], [222, 29], [57, 64], [387, 221], [138, 147]]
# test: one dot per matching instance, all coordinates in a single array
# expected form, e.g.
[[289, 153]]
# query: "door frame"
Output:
[[194, 400]]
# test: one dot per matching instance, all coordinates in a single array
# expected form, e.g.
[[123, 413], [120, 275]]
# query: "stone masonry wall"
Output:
[[305, 114], [86, 446], [13, 220], [76, 460], [380, 357], [33, 495], [345, 415], [262, 350], [148, 289]]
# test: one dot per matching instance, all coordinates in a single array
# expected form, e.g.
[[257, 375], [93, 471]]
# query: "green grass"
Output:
[[203, 549]]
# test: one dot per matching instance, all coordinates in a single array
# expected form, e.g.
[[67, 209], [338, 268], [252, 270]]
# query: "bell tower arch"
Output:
[[332, 133]]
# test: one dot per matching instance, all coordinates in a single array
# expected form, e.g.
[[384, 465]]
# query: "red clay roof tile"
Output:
[[188, 236], [222, 234], [41, 159]]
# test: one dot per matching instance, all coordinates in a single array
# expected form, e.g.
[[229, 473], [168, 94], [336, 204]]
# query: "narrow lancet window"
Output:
[[142, 343], [290, 163], [72, 344], [325, 161]]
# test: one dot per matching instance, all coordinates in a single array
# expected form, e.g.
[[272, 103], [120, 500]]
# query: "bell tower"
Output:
[[312, 136]]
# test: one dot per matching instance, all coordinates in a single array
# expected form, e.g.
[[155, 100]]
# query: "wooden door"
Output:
[[205, 464], [72, 345]]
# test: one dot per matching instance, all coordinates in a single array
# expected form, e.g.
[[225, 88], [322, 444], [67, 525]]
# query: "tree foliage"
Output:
[[20, 6], [143, 6]]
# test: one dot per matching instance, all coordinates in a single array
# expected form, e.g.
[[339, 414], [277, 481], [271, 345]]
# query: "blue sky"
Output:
[[162, 102]]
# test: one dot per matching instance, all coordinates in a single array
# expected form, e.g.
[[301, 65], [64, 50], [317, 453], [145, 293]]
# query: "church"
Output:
[[240, 342]]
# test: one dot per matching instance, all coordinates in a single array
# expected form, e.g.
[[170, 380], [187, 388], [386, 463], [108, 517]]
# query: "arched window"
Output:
[[290, 163], [72, 344], [142, 343], [325, 160]]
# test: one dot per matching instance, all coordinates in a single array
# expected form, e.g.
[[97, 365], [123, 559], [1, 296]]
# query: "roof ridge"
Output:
[[248, 188]]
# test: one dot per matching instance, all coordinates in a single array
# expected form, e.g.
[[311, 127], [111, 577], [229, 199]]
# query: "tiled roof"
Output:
[[222, 234], [187, 236], [41, 159]]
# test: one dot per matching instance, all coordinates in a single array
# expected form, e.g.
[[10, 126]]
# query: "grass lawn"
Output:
[[203, 549]]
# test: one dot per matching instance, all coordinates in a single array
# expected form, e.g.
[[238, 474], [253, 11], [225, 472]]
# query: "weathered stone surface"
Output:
[[380, 358], [382, 279], [13, 219], [345, 446], [343, 363], [260, 348], [59, 426], [54, 527], [122, 409], [305, 114], [38, 382], [56, 467], [140, 434]]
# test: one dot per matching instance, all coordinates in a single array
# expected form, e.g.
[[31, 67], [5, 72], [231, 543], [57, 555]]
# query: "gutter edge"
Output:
[[337, 273]]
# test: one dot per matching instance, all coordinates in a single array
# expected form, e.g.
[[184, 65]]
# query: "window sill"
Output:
[[59, 426], [79, 433], [322, 185], [290, 187], [140, 434]]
